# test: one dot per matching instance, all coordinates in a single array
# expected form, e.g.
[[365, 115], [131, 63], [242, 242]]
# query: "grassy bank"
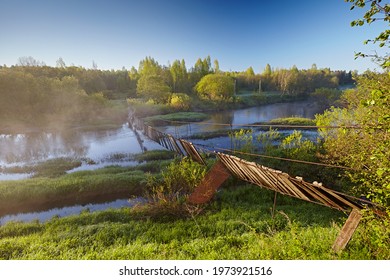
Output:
[[51, 186], [292, 121], [237, 225], [159, 120]]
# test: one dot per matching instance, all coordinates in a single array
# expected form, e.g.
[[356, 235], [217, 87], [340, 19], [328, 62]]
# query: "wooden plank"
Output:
[[260, 180], [270, 174], [286, 180], [321, 197], [347, 231], [339, 198], [210, 184], [192, 151], [232, 167], [256, 177], [313, 197], [176, 148]]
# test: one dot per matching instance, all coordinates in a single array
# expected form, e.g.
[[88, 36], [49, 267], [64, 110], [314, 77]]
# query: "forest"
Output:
[[33, 94]]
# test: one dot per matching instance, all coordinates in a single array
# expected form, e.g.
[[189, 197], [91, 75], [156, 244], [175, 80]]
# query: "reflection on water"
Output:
[[97, 145], [251, 115], [67, 211]]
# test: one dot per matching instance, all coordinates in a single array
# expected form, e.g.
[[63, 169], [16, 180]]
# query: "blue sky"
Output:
[[119, 33]]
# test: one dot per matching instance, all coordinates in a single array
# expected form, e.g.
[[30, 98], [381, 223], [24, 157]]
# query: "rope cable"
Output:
[[205, 147]]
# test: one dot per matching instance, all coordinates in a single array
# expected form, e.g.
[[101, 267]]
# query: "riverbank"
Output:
[[143, 109], [237, 225], [56, 188]]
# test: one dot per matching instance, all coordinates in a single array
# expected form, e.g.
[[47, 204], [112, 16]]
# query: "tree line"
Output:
[[31, 90], [153, 79]]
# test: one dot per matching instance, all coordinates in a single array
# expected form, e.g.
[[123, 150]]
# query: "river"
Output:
[[99, 147]]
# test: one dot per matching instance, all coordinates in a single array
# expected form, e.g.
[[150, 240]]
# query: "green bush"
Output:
[[180, 101], [167, 194]]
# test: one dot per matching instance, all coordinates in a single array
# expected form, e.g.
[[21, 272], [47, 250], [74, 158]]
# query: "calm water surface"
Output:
[[44, 216], [251, 115], [101, 146]]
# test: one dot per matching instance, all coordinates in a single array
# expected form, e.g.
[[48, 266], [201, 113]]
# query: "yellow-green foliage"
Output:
[[167, 194], [216, 87], [180, 101]]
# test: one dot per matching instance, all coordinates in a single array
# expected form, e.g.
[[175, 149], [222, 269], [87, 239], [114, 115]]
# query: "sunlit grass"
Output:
[[293, 121], [237, 225], [181, 117], [51, 184]]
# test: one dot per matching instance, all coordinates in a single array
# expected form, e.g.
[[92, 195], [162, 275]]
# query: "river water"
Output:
[[102, 146], [239, 117]]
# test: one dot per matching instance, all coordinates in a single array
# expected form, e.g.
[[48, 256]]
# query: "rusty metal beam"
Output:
[[216, 176]]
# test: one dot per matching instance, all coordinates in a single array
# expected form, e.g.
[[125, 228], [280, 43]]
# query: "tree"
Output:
[[94, 65], [364, 149], [376, 12], [60, 63], [216, 87], [149, 66], [29, 61], [216, 67], [179, 75], [267, 70], [153, 87], [133, 74], [249, 71]]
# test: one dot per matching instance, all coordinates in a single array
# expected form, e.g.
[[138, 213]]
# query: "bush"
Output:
[[167, 193], [180, 101]]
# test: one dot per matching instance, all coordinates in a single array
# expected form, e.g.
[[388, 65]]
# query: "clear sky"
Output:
[[243, 33]]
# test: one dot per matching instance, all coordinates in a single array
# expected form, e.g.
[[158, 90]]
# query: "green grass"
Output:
[[52, 185], [237, 225], [180, 116], [155, 155], [49, 168], [75, 186], [293, 121]]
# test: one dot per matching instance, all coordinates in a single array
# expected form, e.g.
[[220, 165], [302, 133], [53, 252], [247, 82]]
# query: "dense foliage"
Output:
[[366, 148], [215, 87]]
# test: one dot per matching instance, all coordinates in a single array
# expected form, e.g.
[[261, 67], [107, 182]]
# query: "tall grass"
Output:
[[238, 225], [181, 116], [52, 185]]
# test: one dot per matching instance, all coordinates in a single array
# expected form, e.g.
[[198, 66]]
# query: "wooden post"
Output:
[[347, 231], [210, 184], [274, 207]]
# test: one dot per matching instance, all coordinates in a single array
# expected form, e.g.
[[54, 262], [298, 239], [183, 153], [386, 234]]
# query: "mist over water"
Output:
[[97, 146], [110, 146]]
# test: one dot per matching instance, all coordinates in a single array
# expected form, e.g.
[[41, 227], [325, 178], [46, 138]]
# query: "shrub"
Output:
[[180, 101], [167, 193]]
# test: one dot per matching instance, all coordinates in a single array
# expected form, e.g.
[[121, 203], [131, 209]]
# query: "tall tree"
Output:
[[216, 67], [267, 70], [249, 71], [179, 75], [153, 87], [149, 66], [60, 63], [29, 61]]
